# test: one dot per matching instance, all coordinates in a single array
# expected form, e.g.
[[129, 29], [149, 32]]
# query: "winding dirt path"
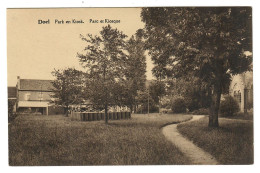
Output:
[[196, 155]]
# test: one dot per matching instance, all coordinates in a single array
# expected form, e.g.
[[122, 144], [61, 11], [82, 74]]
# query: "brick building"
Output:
[[241, 88], [34, 96]]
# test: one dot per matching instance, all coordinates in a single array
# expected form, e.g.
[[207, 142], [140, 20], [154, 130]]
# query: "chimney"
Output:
[[18, 82]]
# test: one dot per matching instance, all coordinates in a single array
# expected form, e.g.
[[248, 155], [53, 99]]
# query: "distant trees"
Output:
[[135, 69], [157, 89], [195, 94], [207, 43], [11, 114], [69, 87], [145, 103]]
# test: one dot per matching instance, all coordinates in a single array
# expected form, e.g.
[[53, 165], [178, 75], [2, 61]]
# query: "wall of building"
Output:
[[239, 85], [34, 96]]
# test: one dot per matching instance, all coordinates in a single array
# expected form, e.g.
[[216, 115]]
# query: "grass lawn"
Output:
[[56, 140], [231, 143], [242, 116]]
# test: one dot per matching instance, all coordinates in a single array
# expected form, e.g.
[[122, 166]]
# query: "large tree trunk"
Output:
[[131, 108], [159, 106], [214, 106], [106, 95], [67, 111]]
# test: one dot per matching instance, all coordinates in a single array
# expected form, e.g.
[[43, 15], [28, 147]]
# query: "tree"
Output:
[[11, 114], [194, 93], [145, 102], [104, 61], [157, 90], [135, 69], [68, 87], [208, 43]]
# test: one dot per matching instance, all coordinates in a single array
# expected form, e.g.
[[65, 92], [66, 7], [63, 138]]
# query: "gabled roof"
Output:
[[36, 85], [11, 92]]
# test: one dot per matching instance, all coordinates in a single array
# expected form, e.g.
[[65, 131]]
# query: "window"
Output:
[[237, 95]]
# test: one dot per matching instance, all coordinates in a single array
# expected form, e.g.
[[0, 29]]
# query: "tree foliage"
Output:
[[194, 93], [157, 90], [104, 60], [229, 106], [69, 87], [142, 99], [11, 114], [178, 105], [135, 70], [208, 43]]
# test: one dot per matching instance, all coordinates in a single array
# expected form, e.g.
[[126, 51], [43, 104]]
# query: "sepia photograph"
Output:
[[130, 86]]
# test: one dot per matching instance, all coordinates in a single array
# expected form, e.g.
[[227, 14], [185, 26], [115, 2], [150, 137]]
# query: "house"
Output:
[[241, 88], [34, 96]]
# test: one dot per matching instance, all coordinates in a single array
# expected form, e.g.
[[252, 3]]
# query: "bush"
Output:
[[165, 111], [201, 111], [192, 103], [229, 106], [144, 109], [178, 105], [250, 104], [165, 103]]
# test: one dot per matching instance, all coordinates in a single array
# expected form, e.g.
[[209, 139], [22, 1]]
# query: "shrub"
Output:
[[165, 103], [143, 109], [192, 103], [165, 111], [250, 104], [229, 106], [201, 111], [178, 105], [242, 114]]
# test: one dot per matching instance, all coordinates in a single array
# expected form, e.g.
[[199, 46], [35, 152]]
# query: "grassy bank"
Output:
[[241, 116], [55, 140], [231, 143]]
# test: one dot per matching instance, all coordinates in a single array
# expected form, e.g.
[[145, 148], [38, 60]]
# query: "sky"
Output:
[[34, 50]]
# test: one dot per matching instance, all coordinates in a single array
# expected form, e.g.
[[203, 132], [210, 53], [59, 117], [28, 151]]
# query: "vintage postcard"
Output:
[[130, 86]]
